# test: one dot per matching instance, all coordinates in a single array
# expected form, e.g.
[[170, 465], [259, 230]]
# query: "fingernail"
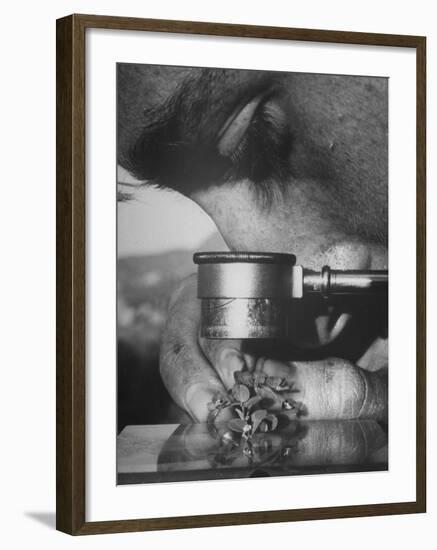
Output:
[[229, 362], [197, 398]]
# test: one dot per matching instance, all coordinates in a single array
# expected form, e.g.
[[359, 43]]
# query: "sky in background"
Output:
[[156, 220]]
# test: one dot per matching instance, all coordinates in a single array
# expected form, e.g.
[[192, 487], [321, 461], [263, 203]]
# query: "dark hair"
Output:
[[177, 147]]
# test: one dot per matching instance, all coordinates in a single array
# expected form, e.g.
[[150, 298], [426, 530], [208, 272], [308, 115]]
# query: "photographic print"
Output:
[[227, 279], [252, 273]]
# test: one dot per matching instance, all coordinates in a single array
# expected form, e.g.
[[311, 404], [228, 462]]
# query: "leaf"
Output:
[[257, 417], [241, 393], [273, 381], [248, 451], [253, 401], [260, 379], [284, 385], [288, 405], [277, 383], [240, 413], [237, 424], [228, 440], [212, 415], [268, 395], [245, 377], [299, 408], [272, 419]]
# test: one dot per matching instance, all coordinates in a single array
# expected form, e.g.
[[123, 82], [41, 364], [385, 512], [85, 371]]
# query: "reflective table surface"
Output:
[[186, 452]]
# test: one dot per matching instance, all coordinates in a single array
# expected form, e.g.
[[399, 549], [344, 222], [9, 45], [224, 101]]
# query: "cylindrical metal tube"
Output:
[[243, 318], [330, 281], [248, 275]]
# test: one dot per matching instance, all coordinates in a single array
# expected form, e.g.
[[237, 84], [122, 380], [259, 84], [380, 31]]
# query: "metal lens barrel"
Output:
[[243, 294]]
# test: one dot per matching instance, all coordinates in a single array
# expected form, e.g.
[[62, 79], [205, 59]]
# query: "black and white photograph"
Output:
[[252, 273], [218, 294]]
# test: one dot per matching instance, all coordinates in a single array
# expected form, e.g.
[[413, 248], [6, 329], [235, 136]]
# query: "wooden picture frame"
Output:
[[71, 253]]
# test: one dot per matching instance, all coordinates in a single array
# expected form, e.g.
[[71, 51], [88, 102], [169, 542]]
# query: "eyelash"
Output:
[[263, 152]]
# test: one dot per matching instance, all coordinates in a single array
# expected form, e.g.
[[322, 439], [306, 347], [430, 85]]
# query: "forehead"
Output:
[[321, 97], [160, 80]]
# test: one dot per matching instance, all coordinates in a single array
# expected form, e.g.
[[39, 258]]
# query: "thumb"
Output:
[[189, 378], [226, 358]]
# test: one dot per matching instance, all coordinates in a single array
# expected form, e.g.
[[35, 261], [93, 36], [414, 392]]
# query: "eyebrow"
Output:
[[177, 147]]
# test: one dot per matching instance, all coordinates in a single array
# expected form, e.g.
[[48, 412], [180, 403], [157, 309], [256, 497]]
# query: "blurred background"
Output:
[[157, 233]]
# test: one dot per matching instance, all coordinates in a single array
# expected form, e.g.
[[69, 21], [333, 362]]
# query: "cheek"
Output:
[[247, 223], [294, 224], [241, 221]]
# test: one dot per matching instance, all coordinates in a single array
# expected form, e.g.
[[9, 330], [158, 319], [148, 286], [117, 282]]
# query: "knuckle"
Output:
[[173, 353], [174, 350], [346, 389]]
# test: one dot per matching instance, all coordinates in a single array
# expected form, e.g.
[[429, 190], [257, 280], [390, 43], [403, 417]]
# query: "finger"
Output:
[[226, 358], [189, 378], [332, 388]]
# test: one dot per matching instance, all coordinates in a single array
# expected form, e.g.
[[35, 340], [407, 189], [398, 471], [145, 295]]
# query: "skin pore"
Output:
[[284, 163]]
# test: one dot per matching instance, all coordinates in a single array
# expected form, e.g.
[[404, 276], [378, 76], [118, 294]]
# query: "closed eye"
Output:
[[258, 143], [186, 146]]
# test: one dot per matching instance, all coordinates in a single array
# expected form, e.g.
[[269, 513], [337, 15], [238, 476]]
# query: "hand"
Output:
[[196, 370]]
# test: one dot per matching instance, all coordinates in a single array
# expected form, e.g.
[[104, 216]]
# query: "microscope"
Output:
[[248, 295]]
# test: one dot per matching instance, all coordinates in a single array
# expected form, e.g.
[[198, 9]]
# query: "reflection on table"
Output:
[[169, 452]]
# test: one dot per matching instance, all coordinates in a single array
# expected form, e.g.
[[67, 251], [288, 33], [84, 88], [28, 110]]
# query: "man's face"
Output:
[[282, 162]]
